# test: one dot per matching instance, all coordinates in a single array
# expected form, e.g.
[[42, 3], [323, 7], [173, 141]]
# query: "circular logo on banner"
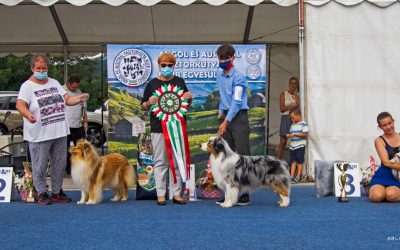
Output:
[[132, 67], [253, 56], [253, 72]]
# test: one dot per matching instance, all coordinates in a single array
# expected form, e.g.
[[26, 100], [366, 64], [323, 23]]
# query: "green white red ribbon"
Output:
[[170, 109]]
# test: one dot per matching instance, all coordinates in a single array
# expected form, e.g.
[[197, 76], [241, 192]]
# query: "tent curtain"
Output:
[[352, 62], [382, 3], [149, 2]]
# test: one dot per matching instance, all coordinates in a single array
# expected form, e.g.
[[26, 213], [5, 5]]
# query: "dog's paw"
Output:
[[284, 204], [80, 202], [114, 199], [226, 204], [89, 202], [280, 202], [124, 199]]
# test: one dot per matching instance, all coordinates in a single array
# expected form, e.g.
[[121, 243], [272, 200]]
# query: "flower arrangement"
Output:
[[24, 184], [368, 172], [208, 185]]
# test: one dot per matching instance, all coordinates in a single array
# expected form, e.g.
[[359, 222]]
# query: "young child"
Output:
[[298, 134]]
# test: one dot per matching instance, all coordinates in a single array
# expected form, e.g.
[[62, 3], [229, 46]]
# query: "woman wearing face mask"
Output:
[[41, 102], [166, 64]]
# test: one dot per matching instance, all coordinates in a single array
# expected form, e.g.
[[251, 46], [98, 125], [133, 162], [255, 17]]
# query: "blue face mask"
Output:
[[167, 71], [40, 75]]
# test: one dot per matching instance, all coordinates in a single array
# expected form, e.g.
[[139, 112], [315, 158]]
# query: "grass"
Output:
[[206, 123], [127, 149], [201, 114], [196, 140]]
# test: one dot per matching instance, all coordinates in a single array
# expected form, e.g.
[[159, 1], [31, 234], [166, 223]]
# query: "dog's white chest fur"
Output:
[[80, 175], [218, 165]]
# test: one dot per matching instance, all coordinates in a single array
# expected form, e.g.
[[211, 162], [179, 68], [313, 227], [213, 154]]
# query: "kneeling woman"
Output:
[[383, 185]]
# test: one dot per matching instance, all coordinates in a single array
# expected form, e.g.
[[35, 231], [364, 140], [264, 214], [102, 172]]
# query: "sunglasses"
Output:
[[163, 65]]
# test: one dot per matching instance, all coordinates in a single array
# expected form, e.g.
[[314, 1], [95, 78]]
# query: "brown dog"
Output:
[[92, 173]]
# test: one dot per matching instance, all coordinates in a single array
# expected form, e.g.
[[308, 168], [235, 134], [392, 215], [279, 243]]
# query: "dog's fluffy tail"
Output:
[[130, 177]]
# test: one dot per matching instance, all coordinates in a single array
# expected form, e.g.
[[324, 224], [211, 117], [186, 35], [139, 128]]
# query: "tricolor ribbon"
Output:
[[170, 109]]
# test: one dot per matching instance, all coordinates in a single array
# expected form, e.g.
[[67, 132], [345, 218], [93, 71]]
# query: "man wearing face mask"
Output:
[[232, 111], [166, 63]]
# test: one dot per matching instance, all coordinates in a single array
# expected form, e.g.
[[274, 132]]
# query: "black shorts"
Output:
[[297, 155]]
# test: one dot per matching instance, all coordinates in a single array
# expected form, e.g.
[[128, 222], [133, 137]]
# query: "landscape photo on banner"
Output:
[[131, 67]]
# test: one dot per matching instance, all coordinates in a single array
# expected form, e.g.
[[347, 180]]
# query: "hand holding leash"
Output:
[[84, 97]]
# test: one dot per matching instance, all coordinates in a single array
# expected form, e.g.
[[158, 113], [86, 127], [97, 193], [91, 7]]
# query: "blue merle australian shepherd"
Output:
[[235, 173]]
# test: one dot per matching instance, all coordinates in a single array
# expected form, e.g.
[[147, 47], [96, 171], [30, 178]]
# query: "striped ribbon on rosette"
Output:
[[170, 109]]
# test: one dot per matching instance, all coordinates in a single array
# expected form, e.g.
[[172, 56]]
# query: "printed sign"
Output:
[[352, 186], [131, 66], [5, 184]]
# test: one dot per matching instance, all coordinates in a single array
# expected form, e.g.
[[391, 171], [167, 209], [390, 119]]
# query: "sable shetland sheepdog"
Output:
[[93, 173], [235, 173]]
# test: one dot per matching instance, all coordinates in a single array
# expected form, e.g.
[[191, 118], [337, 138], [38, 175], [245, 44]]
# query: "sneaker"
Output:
[[295, 180], [243, 200], [60, 197], [44, 199], [219, 202], [303, 180]]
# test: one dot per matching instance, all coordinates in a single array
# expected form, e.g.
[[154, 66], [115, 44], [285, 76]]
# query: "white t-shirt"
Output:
[[46, 102], [74, 113]]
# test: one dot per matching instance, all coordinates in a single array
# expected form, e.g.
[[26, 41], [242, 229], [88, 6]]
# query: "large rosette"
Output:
[[170, 109]]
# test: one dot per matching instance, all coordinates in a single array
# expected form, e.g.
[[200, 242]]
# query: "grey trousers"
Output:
[[238, 133], [54, 150], [161, 166]]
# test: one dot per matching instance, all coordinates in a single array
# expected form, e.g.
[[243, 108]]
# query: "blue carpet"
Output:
[[308, 223]]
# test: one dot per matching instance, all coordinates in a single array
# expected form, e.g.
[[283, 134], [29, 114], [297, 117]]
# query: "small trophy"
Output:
[[342, 166], [28, 181]]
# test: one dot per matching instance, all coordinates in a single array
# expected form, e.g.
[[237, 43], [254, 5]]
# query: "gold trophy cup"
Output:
[[342, 179]]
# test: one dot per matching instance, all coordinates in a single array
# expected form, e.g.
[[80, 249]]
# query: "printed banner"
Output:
[[130, 67]]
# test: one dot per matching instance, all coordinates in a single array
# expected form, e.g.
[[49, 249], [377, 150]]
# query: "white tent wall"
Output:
[[284, 64], [352, 74]]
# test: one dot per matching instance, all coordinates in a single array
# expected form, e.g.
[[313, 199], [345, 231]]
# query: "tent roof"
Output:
[[84, 25], [36, 28]]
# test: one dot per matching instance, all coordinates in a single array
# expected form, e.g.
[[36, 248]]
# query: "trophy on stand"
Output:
[[342, 179], [28, 181]]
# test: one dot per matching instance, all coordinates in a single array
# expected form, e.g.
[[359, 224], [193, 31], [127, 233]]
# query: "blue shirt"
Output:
[[226, 86]]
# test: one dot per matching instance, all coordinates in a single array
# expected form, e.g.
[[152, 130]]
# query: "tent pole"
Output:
[[65, 52], [102, 97], [302, 72], [268, 97]]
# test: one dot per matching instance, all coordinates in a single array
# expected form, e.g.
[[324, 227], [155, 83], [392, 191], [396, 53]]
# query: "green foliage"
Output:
[[206, 123], [257, 113], [15, 70], [196, 140], [122, 104], [212, 101], [127, 149], [201, 114]]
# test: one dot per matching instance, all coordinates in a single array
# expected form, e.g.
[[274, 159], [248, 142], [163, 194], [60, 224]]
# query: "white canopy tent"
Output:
[[64, 27], [351, 51]]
